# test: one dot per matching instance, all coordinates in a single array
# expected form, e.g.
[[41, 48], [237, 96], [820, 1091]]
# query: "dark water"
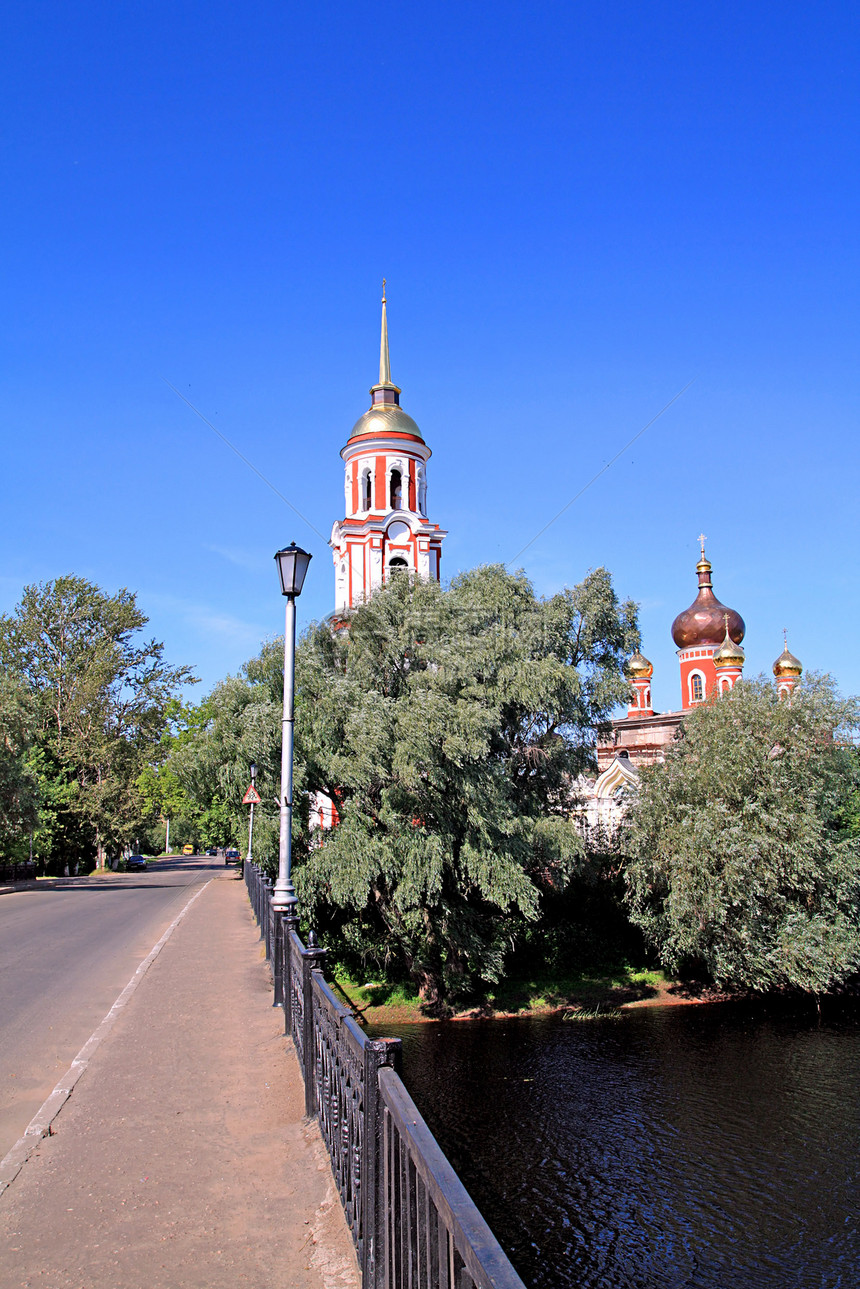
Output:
[[702, 1147]]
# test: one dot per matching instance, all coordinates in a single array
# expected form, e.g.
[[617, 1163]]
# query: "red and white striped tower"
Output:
[[698, 633], [787, 670], [728, 662], [385, 529], [639, 671]]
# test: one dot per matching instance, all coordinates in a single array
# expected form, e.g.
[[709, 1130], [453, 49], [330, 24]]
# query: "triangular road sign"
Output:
[[252, 797]]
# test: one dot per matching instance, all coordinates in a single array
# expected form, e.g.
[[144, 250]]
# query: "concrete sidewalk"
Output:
[[182, 1159]]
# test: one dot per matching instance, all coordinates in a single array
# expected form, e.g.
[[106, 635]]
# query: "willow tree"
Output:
[[446, 725], [745, 859]]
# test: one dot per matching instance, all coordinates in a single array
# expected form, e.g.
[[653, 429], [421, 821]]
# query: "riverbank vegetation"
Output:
[[742, 850]]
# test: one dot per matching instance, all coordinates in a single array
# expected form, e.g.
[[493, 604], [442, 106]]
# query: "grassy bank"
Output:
[[624, 986]]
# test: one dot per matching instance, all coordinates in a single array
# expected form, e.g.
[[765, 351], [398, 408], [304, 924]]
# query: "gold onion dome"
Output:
[[729, 654], [786, 664], [638, 667], [704, 622], [385, 415]]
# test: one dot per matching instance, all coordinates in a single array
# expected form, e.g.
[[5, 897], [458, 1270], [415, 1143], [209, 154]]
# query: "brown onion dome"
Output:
[[704, 622], [638, 667], [729, 654], [786, 664]]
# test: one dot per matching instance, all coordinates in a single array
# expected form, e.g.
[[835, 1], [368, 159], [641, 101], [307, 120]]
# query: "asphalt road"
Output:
[[65, 955]]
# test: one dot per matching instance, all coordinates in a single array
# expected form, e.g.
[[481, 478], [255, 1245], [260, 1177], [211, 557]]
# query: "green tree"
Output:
[[744, 861], [19, 792], [447, 726], [101, 700], [207, 768]]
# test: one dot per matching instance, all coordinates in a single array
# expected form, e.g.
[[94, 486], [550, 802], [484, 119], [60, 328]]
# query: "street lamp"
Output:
[[292, 564], [251, 820]]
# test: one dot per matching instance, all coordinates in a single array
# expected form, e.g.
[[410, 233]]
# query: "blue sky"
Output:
[[578, 207]]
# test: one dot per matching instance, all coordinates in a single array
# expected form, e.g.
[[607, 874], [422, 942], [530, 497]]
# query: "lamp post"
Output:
[[251, 820], [292, 564]]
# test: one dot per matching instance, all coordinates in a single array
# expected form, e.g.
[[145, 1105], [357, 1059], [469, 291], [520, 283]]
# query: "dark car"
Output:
[[231, 857], [212, 851], [135, 861]]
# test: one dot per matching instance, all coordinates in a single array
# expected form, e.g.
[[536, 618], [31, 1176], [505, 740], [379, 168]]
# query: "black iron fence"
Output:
[[17, 872], [412, 1221]]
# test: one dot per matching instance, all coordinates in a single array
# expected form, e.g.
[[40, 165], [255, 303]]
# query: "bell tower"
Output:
[[385, 530]]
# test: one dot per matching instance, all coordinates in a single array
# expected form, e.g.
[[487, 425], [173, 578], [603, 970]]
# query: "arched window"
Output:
[[725, 684], [648, 697], [396, 491], [697, 689], [366, 490], [397, 565]]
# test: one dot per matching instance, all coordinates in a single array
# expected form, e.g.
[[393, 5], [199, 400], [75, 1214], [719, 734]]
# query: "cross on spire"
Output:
[[702, 543]]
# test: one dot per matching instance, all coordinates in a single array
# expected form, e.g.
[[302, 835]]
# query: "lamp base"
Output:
[[284, 899]]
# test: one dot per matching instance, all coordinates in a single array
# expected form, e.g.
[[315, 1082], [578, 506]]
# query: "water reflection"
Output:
[[708, 1148]]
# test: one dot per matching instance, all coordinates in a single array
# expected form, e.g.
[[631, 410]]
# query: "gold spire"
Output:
[[384, 360], [704, 565]]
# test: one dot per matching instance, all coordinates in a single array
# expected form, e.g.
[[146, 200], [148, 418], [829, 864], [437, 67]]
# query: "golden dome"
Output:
[[704, 622], [729, 654], [638, 667], [786, 664], [385, 419]]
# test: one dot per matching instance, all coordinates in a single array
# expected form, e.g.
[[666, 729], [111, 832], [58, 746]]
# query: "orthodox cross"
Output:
[[702, 543]]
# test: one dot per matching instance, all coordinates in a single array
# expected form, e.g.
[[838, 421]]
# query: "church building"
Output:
[[708, 637]]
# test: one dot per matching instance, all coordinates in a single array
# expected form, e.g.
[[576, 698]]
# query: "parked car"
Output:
[[135, 861], [213, 850], [231, 857], [188, 850]]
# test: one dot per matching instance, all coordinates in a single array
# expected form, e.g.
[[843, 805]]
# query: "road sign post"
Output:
[[251, 798]]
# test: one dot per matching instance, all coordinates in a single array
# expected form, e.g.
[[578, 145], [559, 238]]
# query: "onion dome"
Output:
[[385, 415], [703, 623], [638, 667], [729, 654], [786, 664]]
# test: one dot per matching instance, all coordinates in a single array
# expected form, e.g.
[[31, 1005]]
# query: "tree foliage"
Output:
[[745, 859], [19, 793], [446, 726], [100, 700]]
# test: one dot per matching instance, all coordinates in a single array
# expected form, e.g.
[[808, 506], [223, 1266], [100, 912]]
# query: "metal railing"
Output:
[[22, 872], [412, 1221]]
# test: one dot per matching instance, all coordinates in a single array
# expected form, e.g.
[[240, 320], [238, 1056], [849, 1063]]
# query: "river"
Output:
[[703, 1147]]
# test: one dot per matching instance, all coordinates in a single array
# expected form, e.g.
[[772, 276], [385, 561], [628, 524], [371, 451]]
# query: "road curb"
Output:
[[40, 1125]]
